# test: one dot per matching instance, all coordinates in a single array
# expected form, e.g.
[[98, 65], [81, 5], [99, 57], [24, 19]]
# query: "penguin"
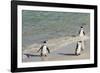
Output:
[[82, 34], [44, 50], [78, 48]]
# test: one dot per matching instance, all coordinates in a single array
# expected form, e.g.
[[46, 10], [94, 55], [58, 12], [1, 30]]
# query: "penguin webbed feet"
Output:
[[77, 54]]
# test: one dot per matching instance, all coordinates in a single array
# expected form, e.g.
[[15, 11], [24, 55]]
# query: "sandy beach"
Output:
[[64, 51]]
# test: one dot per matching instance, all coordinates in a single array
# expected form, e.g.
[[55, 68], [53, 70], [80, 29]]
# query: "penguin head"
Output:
[[81, 27], [79, 42], [44, 42]]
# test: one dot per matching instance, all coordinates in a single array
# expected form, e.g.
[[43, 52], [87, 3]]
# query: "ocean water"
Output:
[[43, 25], [38, 26]]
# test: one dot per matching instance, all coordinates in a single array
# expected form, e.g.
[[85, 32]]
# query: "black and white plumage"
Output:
[[81, 32], [44, 50], [78, 48]]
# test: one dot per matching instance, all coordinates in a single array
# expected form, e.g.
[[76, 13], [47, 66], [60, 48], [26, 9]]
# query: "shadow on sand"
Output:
[[32, 55], [67, 54], [16, 72], [43, 58]]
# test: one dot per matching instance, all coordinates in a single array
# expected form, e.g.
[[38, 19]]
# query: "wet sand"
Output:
[[65, 51]]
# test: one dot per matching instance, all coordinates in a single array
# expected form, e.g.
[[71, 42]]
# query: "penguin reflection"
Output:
[[44, 50]]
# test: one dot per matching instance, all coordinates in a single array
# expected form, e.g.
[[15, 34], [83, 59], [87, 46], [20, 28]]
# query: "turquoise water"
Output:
[[43, 25]]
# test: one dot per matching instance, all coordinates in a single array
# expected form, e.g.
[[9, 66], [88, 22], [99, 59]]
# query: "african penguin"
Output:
[[44, 50], [78, 48], [82, 34]]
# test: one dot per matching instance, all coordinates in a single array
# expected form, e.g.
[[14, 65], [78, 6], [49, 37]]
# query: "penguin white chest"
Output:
[[79, 48], [44, 50], [81, 33]]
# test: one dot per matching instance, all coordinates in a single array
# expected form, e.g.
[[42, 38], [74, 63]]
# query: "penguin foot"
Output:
[[45, 55], [77, 54]]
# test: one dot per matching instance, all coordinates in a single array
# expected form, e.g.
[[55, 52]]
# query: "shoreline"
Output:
[[64, 53]]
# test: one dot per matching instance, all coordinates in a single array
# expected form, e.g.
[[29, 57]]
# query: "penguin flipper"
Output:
[[84, 33], [40, 48], [76, 49], [48, 50]]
